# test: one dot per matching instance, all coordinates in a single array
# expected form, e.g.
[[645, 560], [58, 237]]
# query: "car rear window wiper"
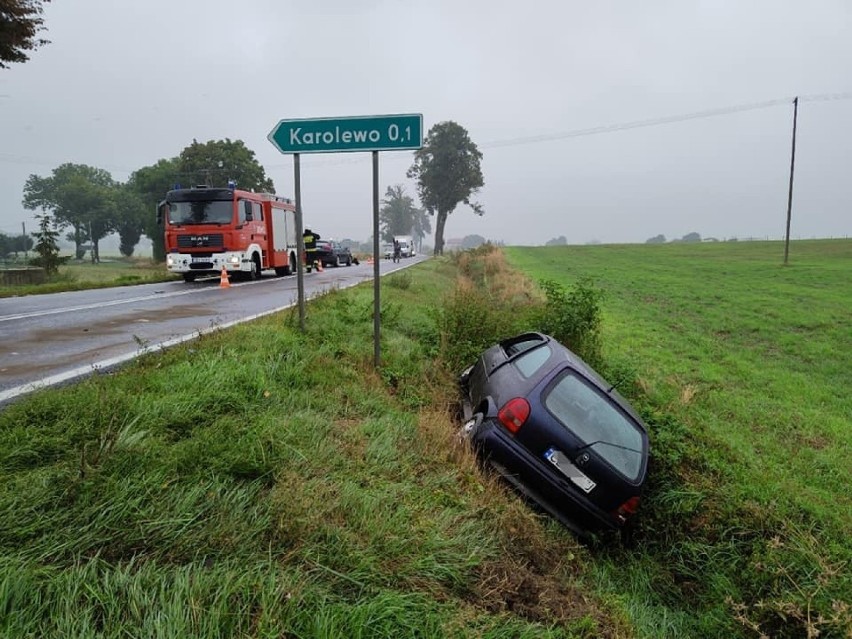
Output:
[[600, 441]]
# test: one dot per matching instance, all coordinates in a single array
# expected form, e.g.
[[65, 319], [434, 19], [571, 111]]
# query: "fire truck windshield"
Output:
[[201, 212]]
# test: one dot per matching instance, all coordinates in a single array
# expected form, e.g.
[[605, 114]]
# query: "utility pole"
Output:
[[790, 194], [24, 240]]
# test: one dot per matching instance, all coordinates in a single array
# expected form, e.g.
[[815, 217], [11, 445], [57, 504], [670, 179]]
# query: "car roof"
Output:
[[574, 361]]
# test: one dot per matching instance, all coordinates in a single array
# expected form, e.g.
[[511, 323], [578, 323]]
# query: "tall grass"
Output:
[[265, 482]]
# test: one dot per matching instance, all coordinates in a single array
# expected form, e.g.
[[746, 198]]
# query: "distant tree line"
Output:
[[661, 239], [88, 203], [15, 244]]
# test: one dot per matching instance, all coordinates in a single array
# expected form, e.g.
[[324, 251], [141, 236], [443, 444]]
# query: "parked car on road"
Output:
[[387, 251], [333, 253], [556, 431]]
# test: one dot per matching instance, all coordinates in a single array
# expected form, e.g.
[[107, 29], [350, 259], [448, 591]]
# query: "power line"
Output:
[[625, 126], [636, 124], [10, 158], [825, 97], [671, 119]]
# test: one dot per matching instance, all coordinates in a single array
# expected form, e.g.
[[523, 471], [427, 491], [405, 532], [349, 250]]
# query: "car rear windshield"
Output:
[[589, 414]]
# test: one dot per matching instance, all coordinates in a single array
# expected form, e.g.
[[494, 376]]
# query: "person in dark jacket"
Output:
[[310, 238]]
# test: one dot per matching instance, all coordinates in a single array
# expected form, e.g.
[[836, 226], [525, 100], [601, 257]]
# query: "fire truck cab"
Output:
[[209, 229]]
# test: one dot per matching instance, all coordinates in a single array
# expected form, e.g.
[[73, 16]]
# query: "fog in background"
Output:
[[124, 84]]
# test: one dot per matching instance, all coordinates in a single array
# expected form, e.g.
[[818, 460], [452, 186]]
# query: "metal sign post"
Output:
[[300, 248], [377, 306], [372, 133]]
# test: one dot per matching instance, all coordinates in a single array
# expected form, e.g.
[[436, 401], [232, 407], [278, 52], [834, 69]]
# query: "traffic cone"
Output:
[[319, 266], [224, 282]]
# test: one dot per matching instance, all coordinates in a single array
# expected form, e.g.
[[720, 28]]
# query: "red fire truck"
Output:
[[208, 229]]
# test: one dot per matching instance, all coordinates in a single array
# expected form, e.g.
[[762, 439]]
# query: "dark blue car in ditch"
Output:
[[556, 431]]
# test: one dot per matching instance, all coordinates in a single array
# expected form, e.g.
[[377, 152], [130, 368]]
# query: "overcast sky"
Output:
[[123, 84]]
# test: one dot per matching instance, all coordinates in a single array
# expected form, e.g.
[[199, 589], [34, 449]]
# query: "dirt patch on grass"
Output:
[[814, 441], [511, 586]]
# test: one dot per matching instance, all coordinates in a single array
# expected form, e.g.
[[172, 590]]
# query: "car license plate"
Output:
[[557, 458]]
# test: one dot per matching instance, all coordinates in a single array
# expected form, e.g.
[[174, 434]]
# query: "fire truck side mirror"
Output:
[[161, 212]]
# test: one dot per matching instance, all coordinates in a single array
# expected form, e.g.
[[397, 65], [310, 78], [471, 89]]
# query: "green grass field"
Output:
[[747, 363], [264, 482], [81, 275]]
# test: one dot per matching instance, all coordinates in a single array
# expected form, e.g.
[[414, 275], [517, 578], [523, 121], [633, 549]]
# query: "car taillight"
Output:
[[627, 509], [514, 413]]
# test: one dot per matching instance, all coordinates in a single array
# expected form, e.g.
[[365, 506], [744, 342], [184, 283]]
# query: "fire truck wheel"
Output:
[[288, 270], [255, 268]]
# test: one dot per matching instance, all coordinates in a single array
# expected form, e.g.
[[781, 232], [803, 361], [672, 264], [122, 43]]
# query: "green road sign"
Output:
[[358, 133]]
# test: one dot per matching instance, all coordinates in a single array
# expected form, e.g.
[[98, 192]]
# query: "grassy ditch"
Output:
[[263, 482]]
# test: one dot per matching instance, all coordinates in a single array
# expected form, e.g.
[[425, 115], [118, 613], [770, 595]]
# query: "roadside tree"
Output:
[[448, 172], [150, 184], [46, 244], [20, 23], [217, 161], [79, 196], [421, 228], [472, 241], [398, 213], [130, 215]]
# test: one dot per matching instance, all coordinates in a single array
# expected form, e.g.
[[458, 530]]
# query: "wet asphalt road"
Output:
[[53, 339]]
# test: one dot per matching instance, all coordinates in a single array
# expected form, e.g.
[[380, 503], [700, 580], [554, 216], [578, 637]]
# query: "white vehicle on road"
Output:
[[406, 245]]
